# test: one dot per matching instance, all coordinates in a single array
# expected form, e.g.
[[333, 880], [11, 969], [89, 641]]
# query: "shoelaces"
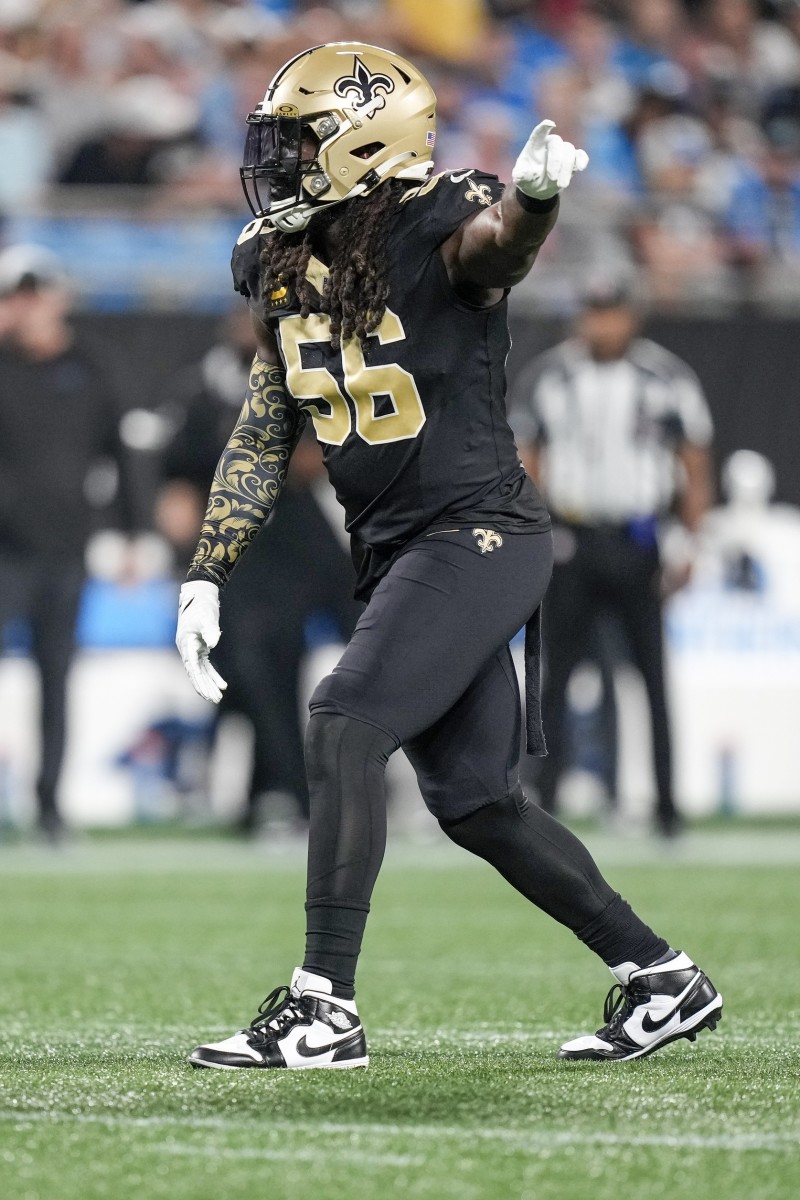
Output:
[[617, 1008], [276, 1011]]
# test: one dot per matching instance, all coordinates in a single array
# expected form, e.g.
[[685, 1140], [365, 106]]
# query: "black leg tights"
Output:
[[345, 762], [555, 871]]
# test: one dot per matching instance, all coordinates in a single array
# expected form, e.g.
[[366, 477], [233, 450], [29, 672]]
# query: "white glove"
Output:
[[198, 633], [547, 163]]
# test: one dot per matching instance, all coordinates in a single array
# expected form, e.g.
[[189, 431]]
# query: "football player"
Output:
[[378, 292]]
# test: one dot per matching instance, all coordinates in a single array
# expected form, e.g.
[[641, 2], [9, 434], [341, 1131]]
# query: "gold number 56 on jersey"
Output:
[[362, 383]]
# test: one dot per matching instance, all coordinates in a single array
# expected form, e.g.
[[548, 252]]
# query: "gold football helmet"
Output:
[[336, 121]]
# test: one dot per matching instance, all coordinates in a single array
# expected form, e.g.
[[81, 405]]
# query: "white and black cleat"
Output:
[[297, 1027], [653, 1006]]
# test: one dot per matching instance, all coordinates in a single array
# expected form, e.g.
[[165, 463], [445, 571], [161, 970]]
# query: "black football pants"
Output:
[[428, 669], [47, 595], [429, 663]]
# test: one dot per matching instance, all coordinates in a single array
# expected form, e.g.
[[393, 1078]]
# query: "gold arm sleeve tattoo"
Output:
[[249, 474]]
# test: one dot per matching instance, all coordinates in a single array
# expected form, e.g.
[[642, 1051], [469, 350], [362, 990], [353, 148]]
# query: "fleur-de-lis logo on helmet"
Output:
[[365, 91], [487, 539]]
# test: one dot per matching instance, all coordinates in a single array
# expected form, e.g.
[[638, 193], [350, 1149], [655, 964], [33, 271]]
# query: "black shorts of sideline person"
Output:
[[605, 568]]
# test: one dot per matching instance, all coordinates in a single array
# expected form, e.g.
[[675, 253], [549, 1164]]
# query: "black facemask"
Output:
[[273, 169]]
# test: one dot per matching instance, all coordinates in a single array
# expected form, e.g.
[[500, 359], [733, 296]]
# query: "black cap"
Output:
[[608, 293]]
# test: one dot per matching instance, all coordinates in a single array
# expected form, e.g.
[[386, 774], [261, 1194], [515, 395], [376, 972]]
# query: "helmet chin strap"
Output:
[[293, 221], [297, 217]]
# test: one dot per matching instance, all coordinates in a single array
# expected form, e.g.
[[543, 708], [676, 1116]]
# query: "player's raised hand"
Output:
[[198, 632], [547, 163]]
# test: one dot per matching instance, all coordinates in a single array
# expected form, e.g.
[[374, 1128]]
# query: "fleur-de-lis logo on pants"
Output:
[[487, 539], [479, 192], [366, 92]]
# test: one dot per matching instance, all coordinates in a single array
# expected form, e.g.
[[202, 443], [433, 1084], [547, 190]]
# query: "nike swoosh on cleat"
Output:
[[650, 1026], [306, 1051]]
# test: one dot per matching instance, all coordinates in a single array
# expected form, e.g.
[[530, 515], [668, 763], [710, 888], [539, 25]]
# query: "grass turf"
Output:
[[116, 958]]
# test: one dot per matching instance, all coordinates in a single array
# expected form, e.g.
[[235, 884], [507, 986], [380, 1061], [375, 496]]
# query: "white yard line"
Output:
[[296, 1155], [734, 847], [521, 1140], [114, 1036]]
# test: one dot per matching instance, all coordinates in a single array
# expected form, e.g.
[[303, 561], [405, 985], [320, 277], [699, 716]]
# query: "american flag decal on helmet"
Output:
[[430, 138]]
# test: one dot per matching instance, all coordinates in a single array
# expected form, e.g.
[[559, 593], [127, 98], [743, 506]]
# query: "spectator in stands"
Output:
[[147, 120], [762, 216], [226, 93], [593, 108], [58, 418], [71, 94], [651, 45], [752, 56], [615, 430], [24, 148], [676, 237], [296, 570], [449, 30]]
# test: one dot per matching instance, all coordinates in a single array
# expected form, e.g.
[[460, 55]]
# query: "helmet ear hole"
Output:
[[368, 150]]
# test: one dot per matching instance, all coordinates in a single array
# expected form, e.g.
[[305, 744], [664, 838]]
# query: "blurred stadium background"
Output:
[[121, 126]]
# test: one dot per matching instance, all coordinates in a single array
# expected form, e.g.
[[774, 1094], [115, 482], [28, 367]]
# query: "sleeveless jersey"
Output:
[[414, 434]]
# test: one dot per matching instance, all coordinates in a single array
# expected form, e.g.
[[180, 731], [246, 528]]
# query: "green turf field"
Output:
[[117, 956]]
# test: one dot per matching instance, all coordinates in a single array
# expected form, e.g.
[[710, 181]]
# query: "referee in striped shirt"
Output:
[[615, 430]]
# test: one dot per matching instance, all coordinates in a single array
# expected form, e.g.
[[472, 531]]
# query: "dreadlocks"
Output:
[[356, 292]]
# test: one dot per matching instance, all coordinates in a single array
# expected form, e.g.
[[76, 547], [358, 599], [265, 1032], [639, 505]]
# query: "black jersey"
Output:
[[44, 507], [414, 435]]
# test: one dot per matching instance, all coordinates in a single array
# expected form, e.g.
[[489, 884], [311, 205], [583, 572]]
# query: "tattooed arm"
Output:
[[251, 470], [247, 481]]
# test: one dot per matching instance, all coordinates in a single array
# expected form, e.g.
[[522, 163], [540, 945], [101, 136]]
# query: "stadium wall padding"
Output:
[[749, 367]]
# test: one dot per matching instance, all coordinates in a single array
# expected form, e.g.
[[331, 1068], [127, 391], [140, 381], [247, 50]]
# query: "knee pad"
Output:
[[337, 744]]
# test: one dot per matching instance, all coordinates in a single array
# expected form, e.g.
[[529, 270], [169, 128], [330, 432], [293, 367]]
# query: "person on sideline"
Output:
[[616, 431], [59, 417]]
